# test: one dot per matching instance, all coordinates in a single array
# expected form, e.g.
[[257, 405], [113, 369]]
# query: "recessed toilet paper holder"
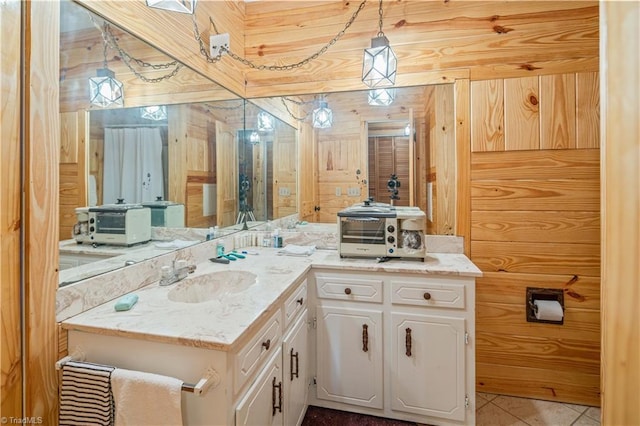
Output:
[[536, 293]]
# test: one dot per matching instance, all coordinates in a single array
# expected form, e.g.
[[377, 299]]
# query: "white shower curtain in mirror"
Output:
[[132, 165]]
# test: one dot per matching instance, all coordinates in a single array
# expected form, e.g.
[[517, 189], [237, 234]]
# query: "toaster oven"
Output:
[[119, 224], [381, 230]]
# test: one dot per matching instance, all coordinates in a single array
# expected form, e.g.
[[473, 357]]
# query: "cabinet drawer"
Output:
[[252, 355], [432, 292], [295, 304], [349, 288]]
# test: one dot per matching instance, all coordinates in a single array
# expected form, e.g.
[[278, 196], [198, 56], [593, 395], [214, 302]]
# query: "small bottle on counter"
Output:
[[220, 248], [210, 234], [277, 239]]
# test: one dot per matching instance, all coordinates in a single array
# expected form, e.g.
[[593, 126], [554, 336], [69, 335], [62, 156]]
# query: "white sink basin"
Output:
[[212, 286]]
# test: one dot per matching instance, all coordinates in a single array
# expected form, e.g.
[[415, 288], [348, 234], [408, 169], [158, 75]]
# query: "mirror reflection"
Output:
[[179, 141]]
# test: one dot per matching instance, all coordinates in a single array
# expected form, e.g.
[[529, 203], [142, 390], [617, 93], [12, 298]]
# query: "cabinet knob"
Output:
[[266, 344], [300, 301], [427, 295], [347, 290]]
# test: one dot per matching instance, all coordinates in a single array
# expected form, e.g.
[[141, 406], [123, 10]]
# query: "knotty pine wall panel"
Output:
[[81, 54], [489, 39], [10, 211], [535, 222], [545, 112], [153, 26]]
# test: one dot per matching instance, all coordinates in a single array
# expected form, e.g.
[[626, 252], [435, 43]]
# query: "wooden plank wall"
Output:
[[153, 25], [192, 155], [620, 60], [535, 222], [10, 211], [41, 142], [487, 39], [82, 54]]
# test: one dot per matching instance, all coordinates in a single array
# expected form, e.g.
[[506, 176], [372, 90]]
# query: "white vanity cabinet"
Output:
[[395, 345], [262, 379]]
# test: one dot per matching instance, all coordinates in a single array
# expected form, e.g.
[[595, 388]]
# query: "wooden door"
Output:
[[284, 172], [428, 365], [227, 175], [349, 356], [308, 176]]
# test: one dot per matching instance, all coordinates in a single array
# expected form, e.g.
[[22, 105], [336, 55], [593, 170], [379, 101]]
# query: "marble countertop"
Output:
[[114, 257], [222, 322]]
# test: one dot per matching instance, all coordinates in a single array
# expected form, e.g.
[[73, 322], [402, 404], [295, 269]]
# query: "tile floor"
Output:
[[492, 410], [501, 410]]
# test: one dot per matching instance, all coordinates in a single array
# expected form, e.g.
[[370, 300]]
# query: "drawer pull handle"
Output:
[[427, 295], [297, 370], [300, 301], [407, 342], [365, 338], [266, 344], [347, 290], [273, 397]]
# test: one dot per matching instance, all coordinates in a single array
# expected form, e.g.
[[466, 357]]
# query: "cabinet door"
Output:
[[262, 404], [428, 365], [295, 378], [349, 356]]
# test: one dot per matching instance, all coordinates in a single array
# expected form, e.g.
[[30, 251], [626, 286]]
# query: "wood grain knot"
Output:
[[529, 67], [260, 50], [494, 18], [400, 23], [501, 30], [533, 100]]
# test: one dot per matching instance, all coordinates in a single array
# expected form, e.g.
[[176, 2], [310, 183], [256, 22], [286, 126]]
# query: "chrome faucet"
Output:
[[176, 272]]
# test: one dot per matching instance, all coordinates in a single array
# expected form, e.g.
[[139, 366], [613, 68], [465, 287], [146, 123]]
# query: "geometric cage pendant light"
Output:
[[379, 64], [182, 6], [104, 89], [322, 117], [381, 96]]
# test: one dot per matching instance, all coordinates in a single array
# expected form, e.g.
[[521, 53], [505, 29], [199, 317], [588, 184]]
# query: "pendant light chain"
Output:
[[380, 33], [109, 38], [300, 119], [288, 67]]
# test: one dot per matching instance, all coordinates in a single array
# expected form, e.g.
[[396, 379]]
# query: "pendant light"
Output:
[[380, 63], [104, 89], [322, 116], [155, 113], [182, 6], [265, 122], [381, 97]]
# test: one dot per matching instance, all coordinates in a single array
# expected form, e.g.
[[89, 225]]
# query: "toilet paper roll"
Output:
[[548, 310]]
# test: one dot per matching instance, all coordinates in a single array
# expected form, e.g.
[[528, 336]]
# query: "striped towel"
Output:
[[85, 394]]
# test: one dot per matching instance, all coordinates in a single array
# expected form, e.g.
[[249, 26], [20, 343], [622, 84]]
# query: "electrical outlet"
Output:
[[284, 191], [338, 191], [353, 192], [216, 41]]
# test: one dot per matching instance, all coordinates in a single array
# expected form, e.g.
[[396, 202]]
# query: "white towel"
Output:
[[85, 394], [146, 399], [295, 250]]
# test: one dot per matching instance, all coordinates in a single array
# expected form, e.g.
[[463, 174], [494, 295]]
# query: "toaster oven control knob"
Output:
[[92, 229], [391, 239], [92, 220], [391, 228]]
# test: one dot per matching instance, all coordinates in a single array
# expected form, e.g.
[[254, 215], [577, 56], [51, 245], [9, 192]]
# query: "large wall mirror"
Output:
[[411, 137], [175, 136]]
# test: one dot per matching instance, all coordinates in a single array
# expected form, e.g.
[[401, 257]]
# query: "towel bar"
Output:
[[208, 380]]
